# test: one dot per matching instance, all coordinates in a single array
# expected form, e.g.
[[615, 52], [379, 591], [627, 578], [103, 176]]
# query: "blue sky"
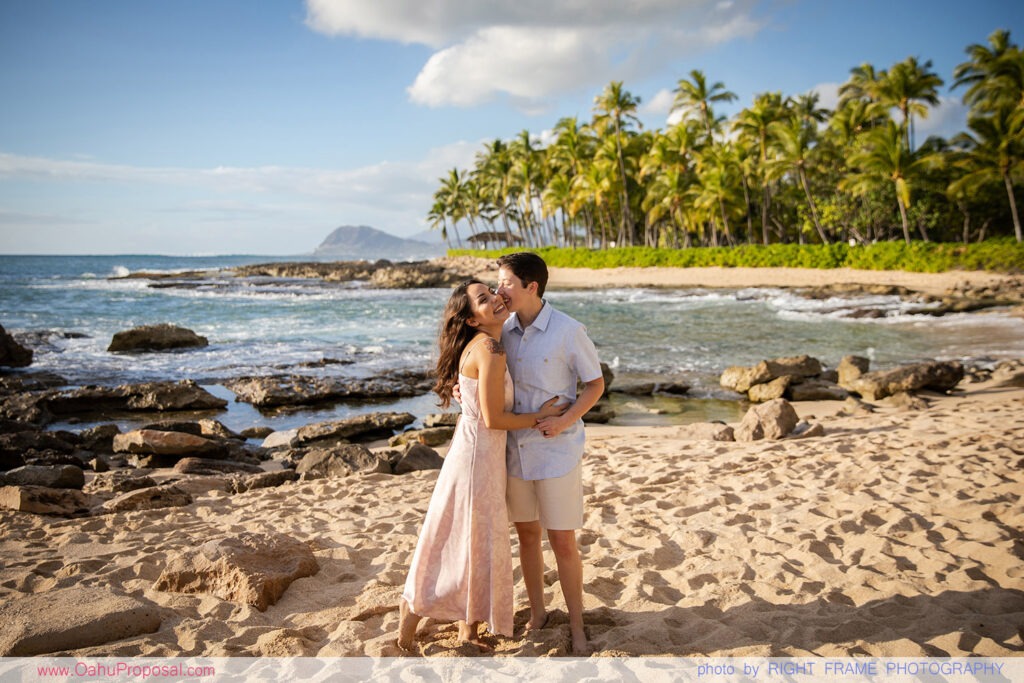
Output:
[[233, 126]]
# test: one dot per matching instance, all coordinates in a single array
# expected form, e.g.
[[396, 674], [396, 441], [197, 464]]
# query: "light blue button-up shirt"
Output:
[[545, 360]]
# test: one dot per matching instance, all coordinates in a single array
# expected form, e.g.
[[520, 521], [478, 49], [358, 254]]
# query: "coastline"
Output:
[[891, 535], [932, 284]]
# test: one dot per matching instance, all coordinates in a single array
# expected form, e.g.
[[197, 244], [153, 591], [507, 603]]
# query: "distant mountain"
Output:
[[355, 242]]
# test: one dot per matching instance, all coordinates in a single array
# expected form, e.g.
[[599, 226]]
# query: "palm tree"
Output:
[[994, 74], [993, 153], [696, 96], [717, 191], [853, 118], [614, 110], [752, 125], [794, 142], [863, 85], [491, 176], [525, 181], [910, 87], [805, 108], [885, 159]]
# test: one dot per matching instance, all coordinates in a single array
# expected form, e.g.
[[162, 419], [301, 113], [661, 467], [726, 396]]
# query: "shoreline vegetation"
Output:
[[784, 169], [998, 255]]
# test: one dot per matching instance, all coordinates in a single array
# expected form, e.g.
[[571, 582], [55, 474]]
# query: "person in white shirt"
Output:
[[548, 353]]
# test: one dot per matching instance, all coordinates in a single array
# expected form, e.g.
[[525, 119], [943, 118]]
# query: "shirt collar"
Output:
[[540, 322]]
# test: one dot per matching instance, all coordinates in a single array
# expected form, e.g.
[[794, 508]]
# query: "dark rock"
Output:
[[99, 465], [441, 420], [816, 390], [149, 396], [100, 439], [17, 447], [795, 366], [635, 388], [418, 457], [340, 461], [13, 354], [674, 388], [431, 436], [211, 429], [151, 498], [292, 390], [257, 432], [601, 413], [262, 480], [113, 483], [156, 338], [208, 466], [153, 442], [357, 428], [906, 401], [935, 375], [54, 477], [43, 500]]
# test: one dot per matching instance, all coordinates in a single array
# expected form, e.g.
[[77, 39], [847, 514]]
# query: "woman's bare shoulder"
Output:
[[493, 346]]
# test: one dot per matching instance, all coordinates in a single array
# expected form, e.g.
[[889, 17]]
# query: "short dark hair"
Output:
[[528, 267]]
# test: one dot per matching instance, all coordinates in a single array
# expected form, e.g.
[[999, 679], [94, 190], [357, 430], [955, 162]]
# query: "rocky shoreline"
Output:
[[53, 472], [179, 459], [933, 294]]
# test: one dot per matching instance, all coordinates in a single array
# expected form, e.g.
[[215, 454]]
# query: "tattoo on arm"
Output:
[[494, 346]]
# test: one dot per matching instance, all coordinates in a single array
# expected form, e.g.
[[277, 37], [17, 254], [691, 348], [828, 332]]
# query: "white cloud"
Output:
[[661, 103], [946, 120], [514, 61], [275, 209], [828, 95], [532, 50]]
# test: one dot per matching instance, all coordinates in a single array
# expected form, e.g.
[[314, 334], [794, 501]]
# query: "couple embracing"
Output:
[[513, 362]]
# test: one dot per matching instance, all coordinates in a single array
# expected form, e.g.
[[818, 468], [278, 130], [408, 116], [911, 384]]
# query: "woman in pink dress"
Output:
[[462, 567]]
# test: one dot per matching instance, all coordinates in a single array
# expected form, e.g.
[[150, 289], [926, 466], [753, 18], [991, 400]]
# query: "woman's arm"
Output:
[[492, 391]]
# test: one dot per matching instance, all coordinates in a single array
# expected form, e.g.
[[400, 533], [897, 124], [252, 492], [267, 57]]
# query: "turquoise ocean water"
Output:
[[267, 326]]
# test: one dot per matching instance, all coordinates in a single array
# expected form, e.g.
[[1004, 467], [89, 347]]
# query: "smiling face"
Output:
[[511, 289], [488, 309]]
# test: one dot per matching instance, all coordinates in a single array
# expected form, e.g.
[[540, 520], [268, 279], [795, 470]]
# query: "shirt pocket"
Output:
[[548, 374]]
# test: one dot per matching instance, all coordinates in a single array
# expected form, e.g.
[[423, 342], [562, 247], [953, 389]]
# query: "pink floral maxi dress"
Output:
[[462, 566]]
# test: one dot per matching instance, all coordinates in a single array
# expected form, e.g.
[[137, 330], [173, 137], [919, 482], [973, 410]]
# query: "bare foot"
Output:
[[468, 635], [538, 621], [408, 622], [580, 645]]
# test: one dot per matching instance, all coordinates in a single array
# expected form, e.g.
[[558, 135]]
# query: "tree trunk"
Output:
[[903, 218], [750, 213], [1013, 206], [814, 209]]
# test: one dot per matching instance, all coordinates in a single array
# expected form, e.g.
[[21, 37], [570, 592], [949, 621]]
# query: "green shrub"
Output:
[[998, 255]]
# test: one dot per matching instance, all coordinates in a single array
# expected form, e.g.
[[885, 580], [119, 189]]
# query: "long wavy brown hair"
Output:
[[455, 334]]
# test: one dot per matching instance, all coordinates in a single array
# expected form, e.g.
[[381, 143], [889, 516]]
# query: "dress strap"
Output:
[[469, 349]]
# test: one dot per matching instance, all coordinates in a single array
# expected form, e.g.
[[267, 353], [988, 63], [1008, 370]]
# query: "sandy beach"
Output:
[[897, 533], [934, 284]]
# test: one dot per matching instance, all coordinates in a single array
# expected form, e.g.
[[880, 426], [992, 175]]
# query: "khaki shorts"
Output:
[[557, 503]]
